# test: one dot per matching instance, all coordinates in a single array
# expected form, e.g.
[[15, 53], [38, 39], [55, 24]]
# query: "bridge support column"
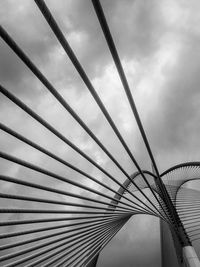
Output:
[[190, 257]]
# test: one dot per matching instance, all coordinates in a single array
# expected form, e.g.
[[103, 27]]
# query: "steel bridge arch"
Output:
[[127, 183]]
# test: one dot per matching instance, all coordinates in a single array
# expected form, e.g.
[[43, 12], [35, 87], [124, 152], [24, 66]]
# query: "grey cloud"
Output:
[[175, 128], [37, 40], [138, 27], [135, 26], [23, 24], [133, 248]]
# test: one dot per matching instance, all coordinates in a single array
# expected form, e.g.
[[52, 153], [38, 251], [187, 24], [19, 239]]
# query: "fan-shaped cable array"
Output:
[[58, 220]]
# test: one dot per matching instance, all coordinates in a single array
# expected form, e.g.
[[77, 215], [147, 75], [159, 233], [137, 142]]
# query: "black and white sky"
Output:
[[158, 44]]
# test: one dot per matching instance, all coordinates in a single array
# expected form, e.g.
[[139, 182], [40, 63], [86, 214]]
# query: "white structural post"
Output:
[[190, 257]]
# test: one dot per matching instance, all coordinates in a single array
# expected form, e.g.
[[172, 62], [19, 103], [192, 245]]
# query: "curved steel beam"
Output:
[[127, 183], [93, 261]]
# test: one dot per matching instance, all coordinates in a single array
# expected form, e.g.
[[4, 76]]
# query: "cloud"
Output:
[[175, 126], [158, 43], [130, 247]]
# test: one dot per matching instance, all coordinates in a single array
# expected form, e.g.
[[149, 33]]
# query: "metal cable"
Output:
[[31, 249], [48, 153], [60, 136], [61, 38], [58, 177]]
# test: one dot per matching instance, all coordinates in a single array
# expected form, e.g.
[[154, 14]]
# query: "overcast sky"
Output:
[[158, 43]]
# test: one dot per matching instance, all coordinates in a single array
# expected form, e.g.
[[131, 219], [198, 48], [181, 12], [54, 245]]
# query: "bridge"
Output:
[[51, 219]]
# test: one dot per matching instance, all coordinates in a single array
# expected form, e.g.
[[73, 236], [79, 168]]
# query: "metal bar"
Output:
[[187, 214], [66, 248], [81, 241], [105, 243], [44, 229], [55, 93], [195, 239], [187, 199], [188, 204], [72, 247], [94, 244], [190, 225], [35, 221], [182, 201], [190, 219], [114, 53], [186, 196], [57, 202], [48, 189], [30, 249], [83, 229], [48, 153], [188, 209], [58, 177], [40, 211], [61, 38], [193, 230], [191, 235], [18, 102]]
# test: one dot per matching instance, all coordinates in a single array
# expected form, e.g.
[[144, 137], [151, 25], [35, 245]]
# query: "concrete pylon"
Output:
[[190, 257]]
